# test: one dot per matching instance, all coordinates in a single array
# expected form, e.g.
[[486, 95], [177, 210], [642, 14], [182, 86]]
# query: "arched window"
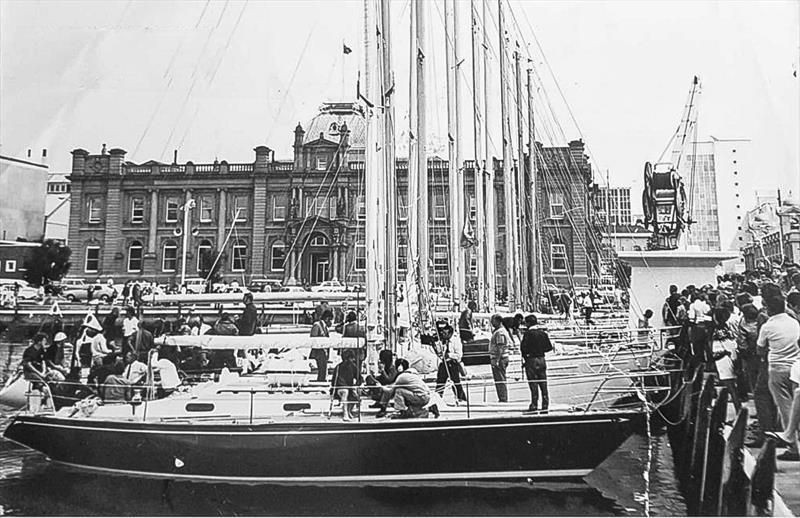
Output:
[[204, 262], [318, 240], [277, 256], [135, 257], [239, 256], [169, 258]]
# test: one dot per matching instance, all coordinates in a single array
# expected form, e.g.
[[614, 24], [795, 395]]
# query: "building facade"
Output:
[[23, 186], [613, 205], [56, 208], [722, 172], [298, 221]]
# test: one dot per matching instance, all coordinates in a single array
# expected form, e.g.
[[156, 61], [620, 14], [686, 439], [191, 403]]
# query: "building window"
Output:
[[95, 210], [206, 209], [239, 257], [319, 240], [440, 262], [11, 266], [137, 210], [92, 263], [402, 253], [402, 207], [362, 208], [204, 262], [172, 208], [556, 205], [361, 256], [240, 208], [558, 257], [169, 262], [135, 257], [439, 207], [322, 162], [278, 257], [278, 208], [473, 263]]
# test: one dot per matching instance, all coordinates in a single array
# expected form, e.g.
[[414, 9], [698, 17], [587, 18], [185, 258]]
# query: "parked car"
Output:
[[293, 289], [20, 289], [265, 286], [195, 285], [101, 292], [332, 285]]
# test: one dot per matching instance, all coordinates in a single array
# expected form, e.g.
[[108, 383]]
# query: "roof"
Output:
[[625, 229], [58, 178], [330, 119]]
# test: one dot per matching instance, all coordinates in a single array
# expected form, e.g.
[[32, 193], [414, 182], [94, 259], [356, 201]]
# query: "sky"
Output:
[[216, 78]]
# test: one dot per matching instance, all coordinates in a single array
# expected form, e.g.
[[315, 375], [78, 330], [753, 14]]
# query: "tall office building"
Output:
[[719, 192], [613, 203]]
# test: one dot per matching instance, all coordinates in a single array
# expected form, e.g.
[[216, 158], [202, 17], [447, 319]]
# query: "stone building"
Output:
[[298, 221]]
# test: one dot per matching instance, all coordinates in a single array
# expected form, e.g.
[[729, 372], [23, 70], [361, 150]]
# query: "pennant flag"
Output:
[[346, 49], [55, 310]]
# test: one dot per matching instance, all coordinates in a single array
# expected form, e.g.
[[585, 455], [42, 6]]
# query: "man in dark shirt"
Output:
[[247, 322], [33, 359], [535, 343], [512, 325], [465, 324]]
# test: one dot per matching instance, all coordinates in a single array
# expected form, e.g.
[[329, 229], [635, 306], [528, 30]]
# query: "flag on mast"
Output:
[[346, 49]]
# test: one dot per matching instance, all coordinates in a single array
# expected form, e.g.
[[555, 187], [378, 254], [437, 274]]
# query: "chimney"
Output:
[[79, 161], [261, 164], [175, 158], [44, 156], [29, 152], [116, 161], [299, 133]]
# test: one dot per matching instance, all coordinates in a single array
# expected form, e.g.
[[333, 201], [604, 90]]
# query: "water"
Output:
[[31, 485]]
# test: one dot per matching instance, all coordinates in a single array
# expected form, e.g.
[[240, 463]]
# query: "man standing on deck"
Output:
[[451, 358], [498, 356], [465, 324], [535, 343], [321, 328], [247, 322]]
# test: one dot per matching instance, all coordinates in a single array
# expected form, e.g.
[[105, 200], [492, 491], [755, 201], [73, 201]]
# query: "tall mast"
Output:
[[479, 128], [374, 175], [533, 255], [488, 171], [390, 193], [413, 150], [508, 177], [521, 272], [422, 164], [452, 164], [459, 157]]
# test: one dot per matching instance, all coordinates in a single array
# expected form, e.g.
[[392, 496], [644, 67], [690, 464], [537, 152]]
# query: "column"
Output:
[[335, 262], [292, 265], [151, 237], [221, 219]]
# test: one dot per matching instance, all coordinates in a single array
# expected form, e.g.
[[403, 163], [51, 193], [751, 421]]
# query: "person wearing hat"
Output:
[[59, 355], [451, 357], [535, 343]]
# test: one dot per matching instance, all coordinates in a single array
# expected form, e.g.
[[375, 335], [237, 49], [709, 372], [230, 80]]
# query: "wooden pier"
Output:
[[718, 475]]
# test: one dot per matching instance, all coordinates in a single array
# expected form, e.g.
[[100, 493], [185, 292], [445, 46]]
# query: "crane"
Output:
[[664, 195]]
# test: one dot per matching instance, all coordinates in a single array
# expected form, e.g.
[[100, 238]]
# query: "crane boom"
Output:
[[664, 195]]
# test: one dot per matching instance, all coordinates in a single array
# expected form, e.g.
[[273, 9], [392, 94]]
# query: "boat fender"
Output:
[[178, 463]]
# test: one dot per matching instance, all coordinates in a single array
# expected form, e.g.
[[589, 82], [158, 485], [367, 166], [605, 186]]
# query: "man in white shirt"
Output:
[[168, 373], [781, 334], [129, 324], [789, 435], [135, 371]]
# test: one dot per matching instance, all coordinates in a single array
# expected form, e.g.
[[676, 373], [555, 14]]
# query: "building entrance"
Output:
[[320, 267]]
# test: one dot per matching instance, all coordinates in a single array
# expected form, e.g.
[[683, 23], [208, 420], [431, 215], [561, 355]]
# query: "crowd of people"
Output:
[[747, 331]]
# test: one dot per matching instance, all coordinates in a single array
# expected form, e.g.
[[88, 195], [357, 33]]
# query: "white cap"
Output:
[[59, 337]]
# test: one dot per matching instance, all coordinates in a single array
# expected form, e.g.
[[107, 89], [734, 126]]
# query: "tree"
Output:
[[207, 258], [50, 262]]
